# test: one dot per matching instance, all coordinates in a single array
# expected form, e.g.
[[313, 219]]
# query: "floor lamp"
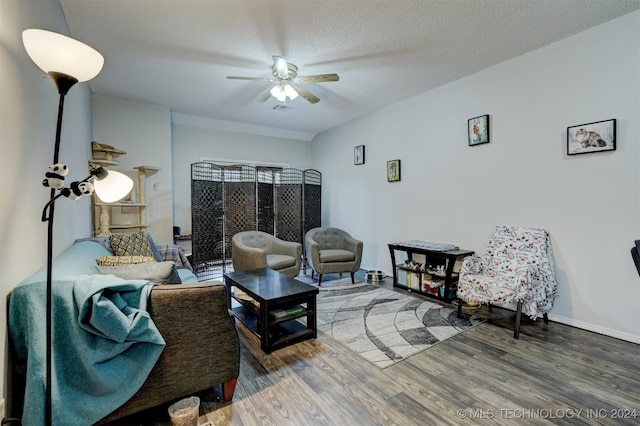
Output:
[[67, 62]]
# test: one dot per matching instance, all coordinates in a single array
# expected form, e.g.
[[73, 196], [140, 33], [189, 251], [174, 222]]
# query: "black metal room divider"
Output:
[[230, 199]]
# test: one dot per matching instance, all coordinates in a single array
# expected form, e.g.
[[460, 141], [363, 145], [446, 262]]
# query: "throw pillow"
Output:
[[157, 272], [175, 277], [135, 244], [154, 248], [123, 260]]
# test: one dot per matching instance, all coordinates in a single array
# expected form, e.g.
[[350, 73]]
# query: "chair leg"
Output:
[[312, 274], [460, 307], [545, 317], [353, 279], [319, 280], [516, 330], [228, 388]]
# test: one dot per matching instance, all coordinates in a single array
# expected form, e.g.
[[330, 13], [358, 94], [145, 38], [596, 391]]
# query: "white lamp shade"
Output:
[[113, 187], [278, 93], [58, 53], [290, 91]]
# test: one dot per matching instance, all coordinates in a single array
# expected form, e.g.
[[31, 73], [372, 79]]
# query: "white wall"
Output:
[[450, 192], [194, 139], [28, 116], [144, 132]]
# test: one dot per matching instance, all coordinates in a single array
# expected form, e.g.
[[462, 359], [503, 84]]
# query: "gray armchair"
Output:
[[257, 249], [332, 250]]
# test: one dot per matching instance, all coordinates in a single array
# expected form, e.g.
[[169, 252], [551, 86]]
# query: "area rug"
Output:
[[383, 326]]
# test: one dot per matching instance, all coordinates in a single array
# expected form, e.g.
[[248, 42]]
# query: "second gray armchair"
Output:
[[332, 250], [257, 249]]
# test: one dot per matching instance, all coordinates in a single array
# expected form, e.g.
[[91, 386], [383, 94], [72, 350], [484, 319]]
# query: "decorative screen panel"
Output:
[[230, 199], [206, 220], [239, 201], [266, 208], [288, 195], [312, 200]]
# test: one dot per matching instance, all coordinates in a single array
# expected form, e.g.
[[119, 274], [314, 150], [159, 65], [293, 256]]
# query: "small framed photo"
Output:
[[393, 171], [358, 155], [478, 130], [591, 137]]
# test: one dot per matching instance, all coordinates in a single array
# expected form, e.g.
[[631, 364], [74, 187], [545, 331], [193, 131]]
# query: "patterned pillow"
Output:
[[130, 244], [123, 260]]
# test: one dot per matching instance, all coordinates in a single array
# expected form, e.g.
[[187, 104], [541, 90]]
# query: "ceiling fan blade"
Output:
[[282, 68], [320, 78], [233, 77], [265, 96], [306, 94]]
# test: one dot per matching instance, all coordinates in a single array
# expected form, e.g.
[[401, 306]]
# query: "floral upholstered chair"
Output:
[[517, 267]]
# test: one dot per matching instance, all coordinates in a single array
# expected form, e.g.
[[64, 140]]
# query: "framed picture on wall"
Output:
[[393, 171], [478, 129], [591, 137], [358, 155]]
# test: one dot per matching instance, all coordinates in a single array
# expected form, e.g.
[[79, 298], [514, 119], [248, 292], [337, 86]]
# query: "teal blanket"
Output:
[[104, 341]]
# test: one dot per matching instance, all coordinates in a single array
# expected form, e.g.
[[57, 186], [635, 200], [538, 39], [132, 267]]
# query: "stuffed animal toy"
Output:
[[55, 176], [77, 190]]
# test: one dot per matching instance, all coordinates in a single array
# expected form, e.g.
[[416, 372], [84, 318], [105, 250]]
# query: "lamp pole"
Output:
[[63, 83], [66, 61]]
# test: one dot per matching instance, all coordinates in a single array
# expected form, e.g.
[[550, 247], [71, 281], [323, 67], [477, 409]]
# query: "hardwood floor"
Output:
[[555, 374]]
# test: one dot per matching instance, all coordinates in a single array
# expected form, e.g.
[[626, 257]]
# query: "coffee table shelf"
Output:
[[246, 317], [287, 333]]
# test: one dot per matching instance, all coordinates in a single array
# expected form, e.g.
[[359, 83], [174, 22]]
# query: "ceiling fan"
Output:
[[287, 81]]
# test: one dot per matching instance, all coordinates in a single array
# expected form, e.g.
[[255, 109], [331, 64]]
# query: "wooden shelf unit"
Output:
[[106, 214], [420, 280]]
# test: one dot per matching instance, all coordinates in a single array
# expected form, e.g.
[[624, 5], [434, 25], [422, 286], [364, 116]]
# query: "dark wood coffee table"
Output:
[[274, 306]]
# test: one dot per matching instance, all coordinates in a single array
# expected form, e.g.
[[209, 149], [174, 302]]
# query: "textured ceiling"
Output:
[[179, 52]]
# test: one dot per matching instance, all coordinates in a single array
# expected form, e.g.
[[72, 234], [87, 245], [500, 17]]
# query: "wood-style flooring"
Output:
[[555, 374]]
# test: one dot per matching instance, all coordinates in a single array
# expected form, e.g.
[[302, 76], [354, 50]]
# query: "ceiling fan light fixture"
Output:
[[282, 91], [290, 91], [278, 93], [285, 74]]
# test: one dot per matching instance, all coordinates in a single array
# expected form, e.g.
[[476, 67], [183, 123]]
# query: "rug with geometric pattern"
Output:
[[383, 326]]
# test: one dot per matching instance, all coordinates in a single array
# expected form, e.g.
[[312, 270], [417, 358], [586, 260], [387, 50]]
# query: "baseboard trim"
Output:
[[595, 328]]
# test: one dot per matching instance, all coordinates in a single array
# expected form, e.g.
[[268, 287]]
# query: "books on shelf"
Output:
[[284, 313], [413, 280], [402, 277]]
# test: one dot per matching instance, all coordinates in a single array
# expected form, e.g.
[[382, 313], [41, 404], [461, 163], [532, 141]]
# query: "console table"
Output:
[[434, 277]]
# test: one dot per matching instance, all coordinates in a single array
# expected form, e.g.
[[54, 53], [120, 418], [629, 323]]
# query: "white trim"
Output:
[[596, 328], [231, 162], [235, 126]]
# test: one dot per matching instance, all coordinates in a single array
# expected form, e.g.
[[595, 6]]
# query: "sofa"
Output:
[[257, 249], [198, 343]]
